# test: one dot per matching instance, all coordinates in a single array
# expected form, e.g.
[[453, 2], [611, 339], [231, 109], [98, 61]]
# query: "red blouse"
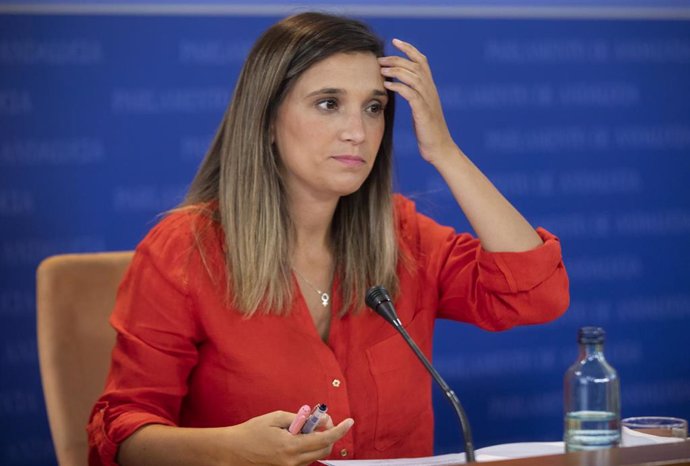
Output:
[[182, 358]]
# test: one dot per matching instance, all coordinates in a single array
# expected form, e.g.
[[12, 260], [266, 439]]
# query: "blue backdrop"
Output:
[[583, 123]]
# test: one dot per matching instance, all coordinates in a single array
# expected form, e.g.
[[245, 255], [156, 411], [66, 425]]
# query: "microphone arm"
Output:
[[378, 299]]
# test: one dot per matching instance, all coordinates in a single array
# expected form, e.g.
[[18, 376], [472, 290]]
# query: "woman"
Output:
[[247, 301]]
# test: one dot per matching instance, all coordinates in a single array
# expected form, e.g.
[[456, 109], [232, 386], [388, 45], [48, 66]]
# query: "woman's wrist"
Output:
[[450, 158]]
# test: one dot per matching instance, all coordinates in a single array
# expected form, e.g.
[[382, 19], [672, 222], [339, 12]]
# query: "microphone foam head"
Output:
[[375, 296]]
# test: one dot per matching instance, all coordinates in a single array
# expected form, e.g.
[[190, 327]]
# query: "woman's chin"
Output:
[[348, 188]]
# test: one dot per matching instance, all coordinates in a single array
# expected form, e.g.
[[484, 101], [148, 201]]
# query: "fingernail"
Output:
[[349, 422]]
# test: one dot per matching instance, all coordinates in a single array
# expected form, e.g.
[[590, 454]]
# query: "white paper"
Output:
[[493, 453], [521, 450], [633, 438], [629, 438], [440, 460]]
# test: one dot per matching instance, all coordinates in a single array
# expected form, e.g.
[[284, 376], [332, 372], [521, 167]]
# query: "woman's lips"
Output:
[[350, 160]]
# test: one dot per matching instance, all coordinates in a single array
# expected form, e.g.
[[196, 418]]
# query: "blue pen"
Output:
[[317, 413]]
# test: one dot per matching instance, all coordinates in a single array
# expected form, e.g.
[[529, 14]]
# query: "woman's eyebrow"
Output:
[[328, 91], [337, 91]]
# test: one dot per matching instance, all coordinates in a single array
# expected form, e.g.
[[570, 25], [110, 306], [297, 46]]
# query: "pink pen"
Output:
[[299, 421]]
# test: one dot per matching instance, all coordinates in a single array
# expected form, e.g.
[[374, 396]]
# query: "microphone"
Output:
[[378, 299]]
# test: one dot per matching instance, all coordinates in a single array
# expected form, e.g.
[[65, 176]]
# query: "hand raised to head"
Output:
[[414, 82]]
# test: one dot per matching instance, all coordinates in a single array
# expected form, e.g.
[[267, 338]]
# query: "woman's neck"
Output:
[[312, 223]]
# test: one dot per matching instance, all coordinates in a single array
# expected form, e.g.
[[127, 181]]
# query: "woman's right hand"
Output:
[[265, 440]]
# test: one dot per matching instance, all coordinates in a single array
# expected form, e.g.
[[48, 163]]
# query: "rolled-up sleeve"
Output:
[[156, 345], [493, 290], [513, 272], [507, 288]]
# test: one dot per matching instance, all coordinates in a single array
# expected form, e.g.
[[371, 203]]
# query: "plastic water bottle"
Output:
[[592, 397]]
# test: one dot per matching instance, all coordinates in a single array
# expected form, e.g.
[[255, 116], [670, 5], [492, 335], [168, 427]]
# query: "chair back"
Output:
[[75, 294]]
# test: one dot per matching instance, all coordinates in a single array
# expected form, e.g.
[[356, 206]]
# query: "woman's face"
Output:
[[329, 126]]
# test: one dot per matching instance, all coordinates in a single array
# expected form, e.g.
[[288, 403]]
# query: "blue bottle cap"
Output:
[[591, 335]]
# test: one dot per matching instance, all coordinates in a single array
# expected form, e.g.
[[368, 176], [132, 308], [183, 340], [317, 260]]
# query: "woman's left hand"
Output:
[[416, 85]]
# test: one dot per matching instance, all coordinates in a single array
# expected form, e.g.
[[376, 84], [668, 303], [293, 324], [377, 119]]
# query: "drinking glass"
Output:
[[658, 425]]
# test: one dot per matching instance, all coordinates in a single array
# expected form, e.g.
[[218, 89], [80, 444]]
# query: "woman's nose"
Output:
[[353, 128]]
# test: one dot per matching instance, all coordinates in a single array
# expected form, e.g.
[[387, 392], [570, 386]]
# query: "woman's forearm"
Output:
[[160, 444], [499, 226], [263, 440]]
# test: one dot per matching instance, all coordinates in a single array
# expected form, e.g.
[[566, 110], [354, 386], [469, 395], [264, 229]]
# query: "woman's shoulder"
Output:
[[181, 231], [403, 206], [405, 213], [419, 231]]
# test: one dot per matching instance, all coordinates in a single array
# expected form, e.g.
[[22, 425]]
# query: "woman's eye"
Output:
[[375, 108], [328, 104]]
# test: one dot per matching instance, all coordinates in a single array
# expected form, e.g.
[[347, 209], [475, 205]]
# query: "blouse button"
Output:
[[343, 452], [336, 383]]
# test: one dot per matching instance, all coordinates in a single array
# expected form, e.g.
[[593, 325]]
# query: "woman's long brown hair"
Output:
[[241, 172]]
